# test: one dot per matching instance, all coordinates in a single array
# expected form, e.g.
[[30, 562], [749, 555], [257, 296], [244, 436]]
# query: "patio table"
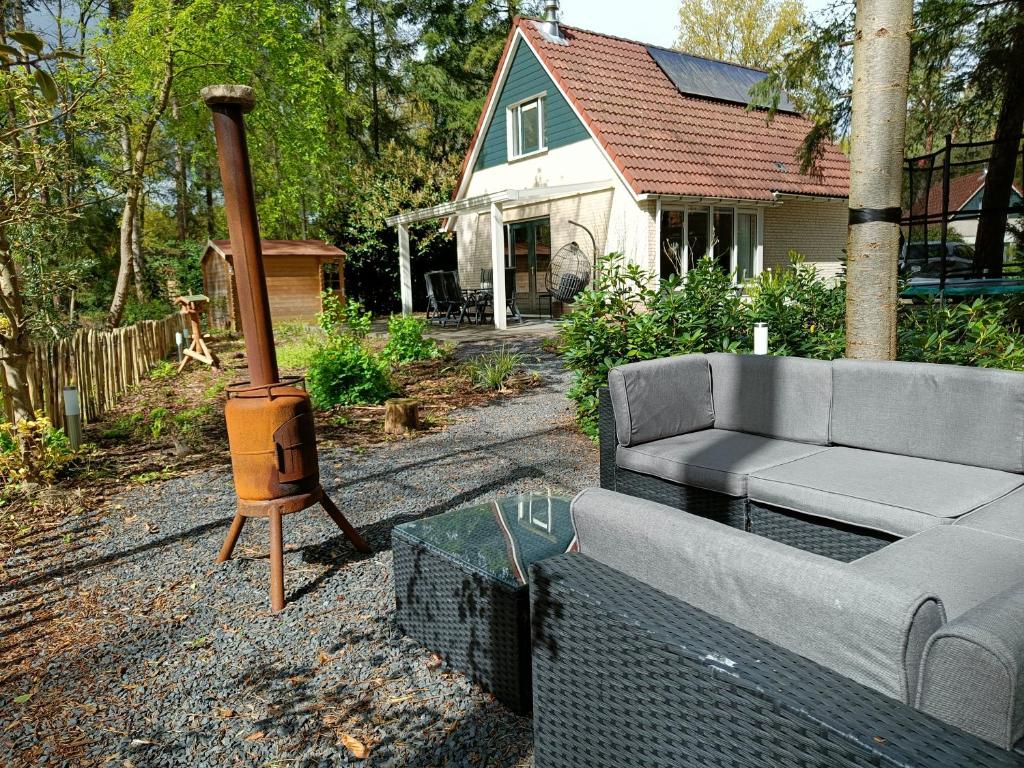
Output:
[[461, 585]]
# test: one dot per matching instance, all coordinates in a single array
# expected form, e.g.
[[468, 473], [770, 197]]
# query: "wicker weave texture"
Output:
[[480, 626], [834, 540], [715, 506], [625, 675]]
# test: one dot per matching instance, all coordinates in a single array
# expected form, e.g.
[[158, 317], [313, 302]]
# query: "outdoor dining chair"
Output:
[[487, 293]]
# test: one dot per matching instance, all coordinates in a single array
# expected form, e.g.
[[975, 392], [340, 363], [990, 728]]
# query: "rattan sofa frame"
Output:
[[625, 675]]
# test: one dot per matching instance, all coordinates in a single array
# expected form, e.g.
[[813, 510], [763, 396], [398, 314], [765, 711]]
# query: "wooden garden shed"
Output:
[[297, 272]]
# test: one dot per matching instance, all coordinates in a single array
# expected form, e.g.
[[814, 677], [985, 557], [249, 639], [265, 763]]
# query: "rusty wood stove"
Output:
[[269, 421]]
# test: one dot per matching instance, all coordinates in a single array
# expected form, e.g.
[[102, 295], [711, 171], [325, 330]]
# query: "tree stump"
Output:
[[401, 416]]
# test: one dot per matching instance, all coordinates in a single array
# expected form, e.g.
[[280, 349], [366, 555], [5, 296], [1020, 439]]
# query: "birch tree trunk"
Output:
[[881, 69], [137, 262], [133, 193], [124, 272]]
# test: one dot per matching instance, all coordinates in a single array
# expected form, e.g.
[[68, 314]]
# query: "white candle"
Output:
[[760, 338]]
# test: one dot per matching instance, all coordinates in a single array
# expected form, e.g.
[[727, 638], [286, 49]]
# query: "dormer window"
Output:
[[526, 127]]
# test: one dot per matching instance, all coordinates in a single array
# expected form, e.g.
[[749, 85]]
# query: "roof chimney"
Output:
[[550, 25]]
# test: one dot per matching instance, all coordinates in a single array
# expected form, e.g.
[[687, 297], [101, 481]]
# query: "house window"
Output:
[[526, 127], [746, 244], [672, 243], [330, 277], [730, 235]]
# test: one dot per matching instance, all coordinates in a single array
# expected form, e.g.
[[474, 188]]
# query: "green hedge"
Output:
[[628, 315]]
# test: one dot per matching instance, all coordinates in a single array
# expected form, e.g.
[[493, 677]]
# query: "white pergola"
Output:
[[493, 201]]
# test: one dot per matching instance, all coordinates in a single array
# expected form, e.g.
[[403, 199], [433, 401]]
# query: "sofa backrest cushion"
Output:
[[865, 628], [972, 675], [943, 412], [661, 398], [784, 397]]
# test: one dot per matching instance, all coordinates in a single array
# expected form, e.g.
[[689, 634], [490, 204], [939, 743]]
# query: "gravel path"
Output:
[[176, 661]]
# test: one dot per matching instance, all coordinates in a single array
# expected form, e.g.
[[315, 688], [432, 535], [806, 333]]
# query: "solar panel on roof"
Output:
[[695, 76]]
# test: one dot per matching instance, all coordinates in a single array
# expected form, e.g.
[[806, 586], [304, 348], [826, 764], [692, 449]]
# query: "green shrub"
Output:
[[345, 372], [492, 370], [123, 426], [406, 342], [981, 332], [157, 421], [165, 369], [136, 312], [806, 316], [337, 317], [33, 451], [627, 315]]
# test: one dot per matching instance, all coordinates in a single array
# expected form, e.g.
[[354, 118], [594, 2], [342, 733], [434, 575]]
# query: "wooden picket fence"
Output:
[[102, 364]]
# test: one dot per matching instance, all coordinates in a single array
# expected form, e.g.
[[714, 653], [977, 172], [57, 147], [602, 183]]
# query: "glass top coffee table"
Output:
[[462, 585]]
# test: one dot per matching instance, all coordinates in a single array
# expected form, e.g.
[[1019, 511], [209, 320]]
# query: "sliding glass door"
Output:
[[528, 252]]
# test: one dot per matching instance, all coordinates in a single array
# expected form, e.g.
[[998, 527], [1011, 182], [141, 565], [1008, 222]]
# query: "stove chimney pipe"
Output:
[[550, 24], [229, 103]]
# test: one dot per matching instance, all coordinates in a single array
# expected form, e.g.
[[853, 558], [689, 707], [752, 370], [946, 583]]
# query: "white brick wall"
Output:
[[815, 229]]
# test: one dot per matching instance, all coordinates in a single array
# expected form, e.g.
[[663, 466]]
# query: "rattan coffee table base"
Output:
[[480, 626]]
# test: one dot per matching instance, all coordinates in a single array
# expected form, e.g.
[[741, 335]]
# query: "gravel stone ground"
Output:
[[189, 667]]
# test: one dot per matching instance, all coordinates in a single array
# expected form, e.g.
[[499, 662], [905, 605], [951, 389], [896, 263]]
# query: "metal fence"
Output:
[[958, 238]]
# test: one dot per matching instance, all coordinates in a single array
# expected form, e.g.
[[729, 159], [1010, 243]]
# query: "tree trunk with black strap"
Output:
[[881, 71]]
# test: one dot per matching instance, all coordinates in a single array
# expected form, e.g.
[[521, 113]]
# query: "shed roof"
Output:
[[284, 248]]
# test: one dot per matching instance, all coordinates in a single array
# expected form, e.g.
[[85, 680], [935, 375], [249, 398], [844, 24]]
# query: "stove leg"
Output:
[[276, 562], [351, 533], [231, 539]]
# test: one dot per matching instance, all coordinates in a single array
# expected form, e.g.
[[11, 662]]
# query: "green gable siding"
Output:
[[527, 78], [974, 204]]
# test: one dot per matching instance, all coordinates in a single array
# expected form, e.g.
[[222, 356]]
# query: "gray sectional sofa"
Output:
[[839, 457], [825, 567]]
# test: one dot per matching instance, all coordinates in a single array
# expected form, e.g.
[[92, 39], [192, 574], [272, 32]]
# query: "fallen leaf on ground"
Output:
[[225, 712], [355, 746], [255, 736]]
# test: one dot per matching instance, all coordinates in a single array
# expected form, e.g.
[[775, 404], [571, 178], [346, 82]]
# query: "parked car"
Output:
[[922, 262]]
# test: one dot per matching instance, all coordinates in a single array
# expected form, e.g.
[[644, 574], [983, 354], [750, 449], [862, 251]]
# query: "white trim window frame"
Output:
[[514, 115], [709, 210]]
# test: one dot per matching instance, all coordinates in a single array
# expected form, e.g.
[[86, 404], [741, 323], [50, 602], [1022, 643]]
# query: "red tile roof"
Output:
[[961, 190], [668, 143]]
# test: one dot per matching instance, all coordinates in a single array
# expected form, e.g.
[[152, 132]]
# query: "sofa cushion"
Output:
[[785, 397], [714, 459], [961, 566], [1004, 516], [942, 412], [660, 398], [866, 628], [971, 675], [900, 495]]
